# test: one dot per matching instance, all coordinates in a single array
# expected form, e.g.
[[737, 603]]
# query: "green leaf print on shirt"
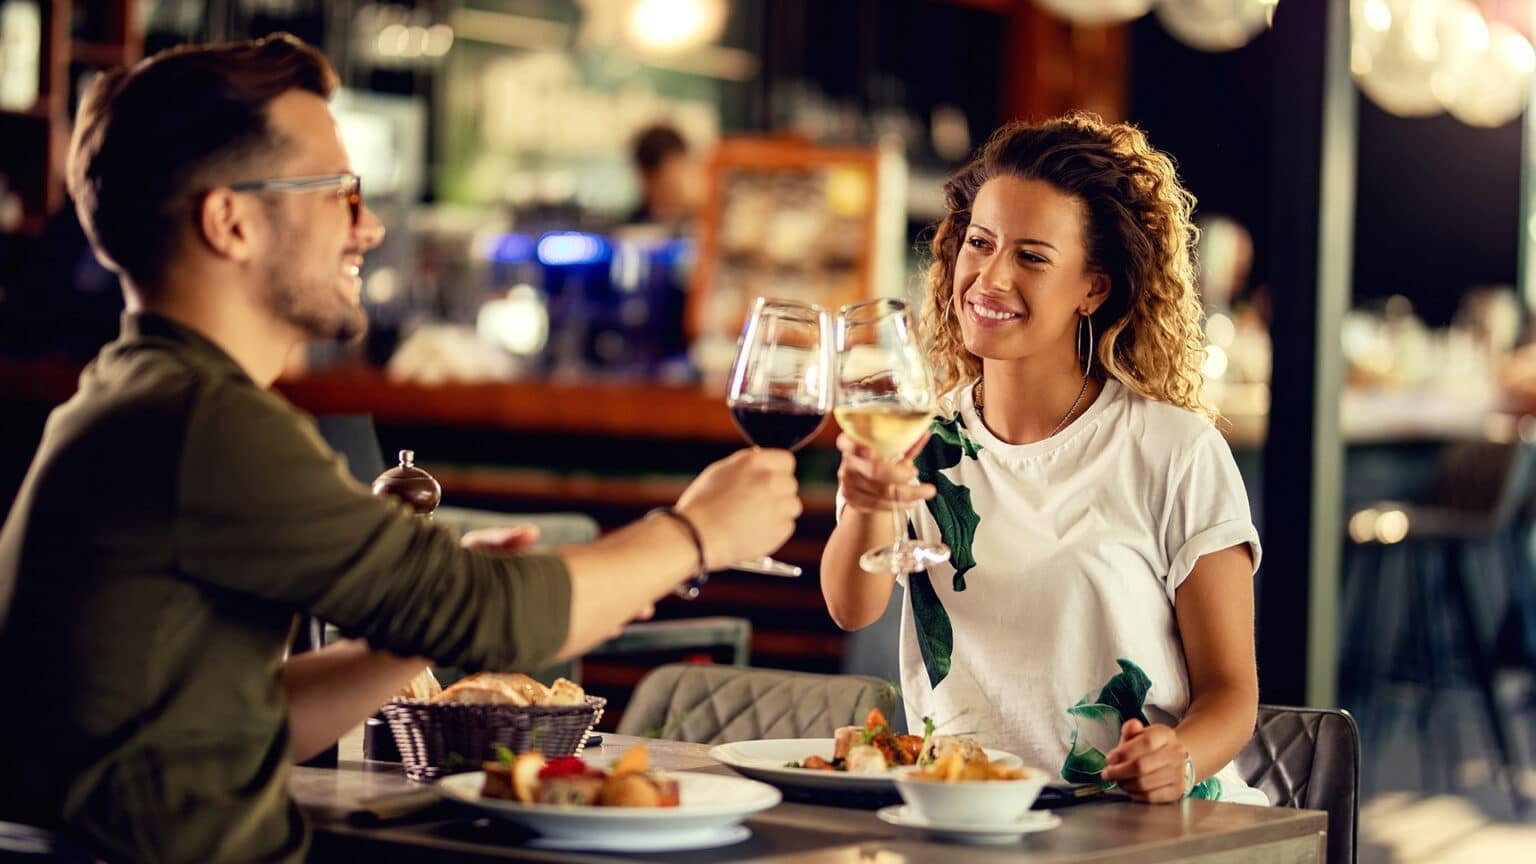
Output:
[[1096, 722], [957, 520], [951, 508], [1208, 789], [935, 638]]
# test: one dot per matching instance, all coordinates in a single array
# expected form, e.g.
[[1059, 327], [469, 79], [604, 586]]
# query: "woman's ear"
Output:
[[1098, 292]]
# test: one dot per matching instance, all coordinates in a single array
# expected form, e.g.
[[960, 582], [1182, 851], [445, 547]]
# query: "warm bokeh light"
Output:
[[671, 25]]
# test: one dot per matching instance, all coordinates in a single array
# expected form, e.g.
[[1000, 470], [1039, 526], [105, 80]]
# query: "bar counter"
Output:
[[636, 408], [1104, 832]]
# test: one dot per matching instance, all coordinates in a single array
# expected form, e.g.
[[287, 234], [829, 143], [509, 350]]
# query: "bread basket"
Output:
[[441, 738]]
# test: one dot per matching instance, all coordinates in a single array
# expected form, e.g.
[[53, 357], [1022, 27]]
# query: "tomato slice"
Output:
[[563, 766]]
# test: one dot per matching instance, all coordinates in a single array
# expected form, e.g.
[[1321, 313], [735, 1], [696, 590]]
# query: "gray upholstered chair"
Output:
[[1309, 758], [719, 704]]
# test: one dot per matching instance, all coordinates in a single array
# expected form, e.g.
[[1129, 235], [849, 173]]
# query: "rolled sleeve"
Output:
[[1207, 510]]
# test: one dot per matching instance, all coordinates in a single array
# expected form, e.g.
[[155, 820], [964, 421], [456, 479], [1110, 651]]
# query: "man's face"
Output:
[[675, 191], [312, 266]]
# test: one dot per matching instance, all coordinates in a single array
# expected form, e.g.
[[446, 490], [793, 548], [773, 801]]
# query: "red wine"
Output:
[[783, 425]]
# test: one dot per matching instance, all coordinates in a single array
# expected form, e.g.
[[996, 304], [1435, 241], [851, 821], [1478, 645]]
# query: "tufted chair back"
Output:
[[721, 704], [1309, 758]]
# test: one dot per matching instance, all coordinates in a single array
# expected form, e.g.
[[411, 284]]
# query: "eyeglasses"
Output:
[[349, 185]]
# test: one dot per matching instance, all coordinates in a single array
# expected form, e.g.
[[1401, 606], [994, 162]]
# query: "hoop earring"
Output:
[[1087, 355]]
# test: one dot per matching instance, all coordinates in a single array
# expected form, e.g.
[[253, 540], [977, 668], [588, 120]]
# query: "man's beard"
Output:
[[312, 304]]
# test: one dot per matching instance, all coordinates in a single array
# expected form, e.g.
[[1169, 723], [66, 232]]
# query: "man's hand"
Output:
[[1148, 763], [743, 506]]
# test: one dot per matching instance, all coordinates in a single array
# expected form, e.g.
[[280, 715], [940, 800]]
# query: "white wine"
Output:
[[889, 430]]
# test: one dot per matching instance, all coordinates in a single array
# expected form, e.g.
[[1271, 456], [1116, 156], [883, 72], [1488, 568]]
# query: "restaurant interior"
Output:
[[553, 322]]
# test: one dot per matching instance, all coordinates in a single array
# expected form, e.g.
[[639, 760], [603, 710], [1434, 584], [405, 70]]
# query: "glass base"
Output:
[[908, 556], [768, 567]]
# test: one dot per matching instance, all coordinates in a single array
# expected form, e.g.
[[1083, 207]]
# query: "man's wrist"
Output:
[[690, 588]]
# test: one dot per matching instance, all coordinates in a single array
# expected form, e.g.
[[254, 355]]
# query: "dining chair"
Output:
[[1414, 599], [706, 704], [1309, 758]]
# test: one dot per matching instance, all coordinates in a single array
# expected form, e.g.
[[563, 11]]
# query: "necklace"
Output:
[[976, 398]]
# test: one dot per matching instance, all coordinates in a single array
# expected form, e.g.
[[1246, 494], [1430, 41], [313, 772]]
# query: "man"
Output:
[[669, 181], [178, 514]]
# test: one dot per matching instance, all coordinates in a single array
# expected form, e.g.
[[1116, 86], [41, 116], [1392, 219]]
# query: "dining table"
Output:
[[1100, 829]]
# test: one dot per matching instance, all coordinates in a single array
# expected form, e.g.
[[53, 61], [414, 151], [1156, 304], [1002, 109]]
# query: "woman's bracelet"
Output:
[[689, 589]]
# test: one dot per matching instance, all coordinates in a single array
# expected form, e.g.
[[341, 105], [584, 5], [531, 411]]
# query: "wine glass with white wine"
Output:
[[886, 401]]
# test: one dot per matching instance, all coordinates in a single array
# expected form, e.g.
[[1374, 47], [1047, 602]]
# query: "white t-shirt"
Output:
[[1064, 626]]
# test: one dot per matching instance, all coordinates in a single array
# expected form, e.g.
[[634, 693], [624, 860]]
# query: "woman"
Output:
[[1096, 616]]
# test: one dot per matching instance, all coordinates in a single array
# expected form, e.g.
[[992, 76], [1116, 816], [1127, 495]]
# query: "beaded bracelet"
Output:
[[690, 589]]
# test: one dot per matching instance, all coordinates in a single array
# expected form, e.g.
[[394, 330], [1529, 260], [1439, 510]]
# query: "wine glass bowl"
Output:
[[886, 401], [781, 385]]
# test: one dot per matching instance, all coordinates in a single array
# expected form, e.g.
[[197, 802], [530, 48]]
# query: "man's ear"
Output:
[[229, 224], [1098, 291]]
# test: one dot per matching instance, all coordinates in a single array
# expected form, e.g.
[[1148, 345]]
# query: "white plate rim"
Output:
[[707, 838], [804, 778], [765, 797]]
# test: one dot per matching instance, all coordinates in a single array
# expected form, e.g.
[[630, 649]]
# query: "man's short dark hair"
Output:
[[150, 139], [655, 145]]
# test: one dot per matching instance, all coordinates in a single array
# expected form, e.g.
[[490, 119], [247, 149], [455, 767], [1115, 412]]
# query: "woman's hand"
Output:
[[502, 538], [1148, 763], [873, 485]]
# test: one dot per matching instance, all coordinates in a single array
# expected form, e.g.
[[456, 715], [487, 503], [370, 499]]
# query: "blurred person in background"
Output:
[[670, 182], [178, 514], [1096, 615]]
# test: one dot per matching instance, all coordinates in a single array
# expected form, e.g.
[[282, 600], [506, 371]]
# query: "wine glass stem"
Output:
[[899, 524]]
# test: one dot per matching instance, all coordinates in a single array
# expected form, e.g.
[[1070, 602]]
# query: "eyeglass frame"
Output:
[[350, 183]]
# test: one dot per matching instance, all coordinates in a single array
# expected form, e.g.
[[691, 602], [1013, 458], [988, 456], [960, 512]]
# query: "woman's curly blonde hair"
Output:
[[1137, 230]]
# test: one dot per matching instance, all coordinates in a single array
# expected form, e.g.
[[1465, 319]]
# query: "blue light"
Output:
[[567, 248], [510, 248]]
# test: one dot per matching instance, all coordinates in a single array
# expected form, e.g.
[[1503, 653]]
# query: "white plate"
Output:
[[764, 760], [1035, 820], [708, 838], [708, 803]]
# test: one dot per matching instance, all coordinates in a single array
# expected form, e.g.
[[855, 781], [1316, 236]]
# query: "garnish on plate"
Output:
[[571, 782]]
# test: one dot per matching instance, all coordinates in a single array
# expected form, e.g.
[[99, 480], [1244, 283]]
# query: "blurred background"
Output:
[[583, 196]]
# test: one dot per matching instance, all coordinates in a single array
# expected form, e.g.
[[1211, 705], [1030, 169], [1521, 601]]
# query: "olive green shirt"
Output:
[[174, 520]]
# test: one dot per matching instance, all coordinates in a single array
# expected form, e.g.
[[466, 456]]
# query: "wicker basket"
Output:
[[440, 738]]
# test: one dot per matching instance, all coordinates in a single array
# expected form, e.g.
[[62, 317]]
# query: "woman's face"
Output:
[[1022, 278]]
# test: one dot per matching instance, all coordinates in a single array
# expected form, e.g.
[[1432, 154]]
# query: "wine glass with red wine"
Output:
[[781, 385]]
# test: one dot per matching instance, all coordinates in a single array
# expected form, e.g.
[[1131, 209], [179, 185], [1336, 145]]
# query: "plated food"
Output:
[[569, 781], [629, 806], [875, 748], [958, 765], [960, 789]]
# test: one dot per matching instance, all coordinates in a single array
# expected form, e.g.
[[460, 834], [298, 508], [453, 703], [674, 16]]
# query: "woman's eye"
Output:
[[1032, 258], [976, 243]]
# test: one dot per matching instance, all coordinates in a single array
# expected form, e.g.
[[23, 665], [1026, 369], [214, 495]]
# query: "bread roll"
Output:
[[564, 692], [495, 688], [423, 686]]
